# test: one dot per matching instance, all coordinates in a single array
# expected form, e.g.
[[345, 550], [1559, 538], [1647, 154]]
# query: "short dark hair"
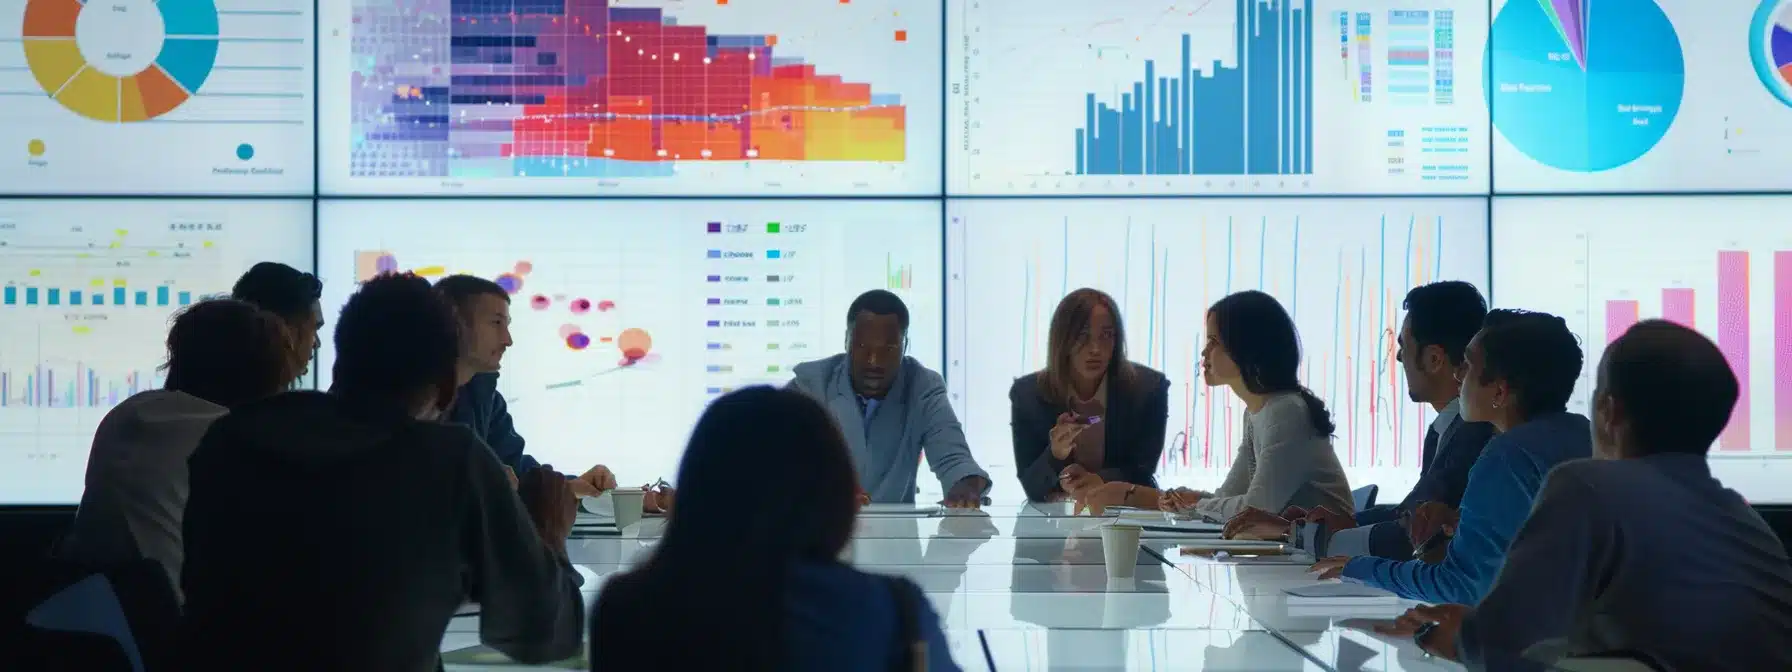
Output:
[[461, 289], [279, 289], [1536, 354], [395, 335], [1445, 314], [1675, 386], [878, 302], [228, 352]]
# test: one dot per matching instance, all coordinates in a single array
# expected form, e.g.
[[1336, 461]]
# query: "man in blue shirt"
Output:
[[1441, 318], [484, 310], [1618, 547], [891, 408], [1518, 374]]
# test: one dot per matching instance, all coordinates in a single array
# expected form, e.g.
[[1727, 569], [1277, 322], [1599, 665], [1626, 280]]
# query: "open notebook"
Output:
[[485, 655]]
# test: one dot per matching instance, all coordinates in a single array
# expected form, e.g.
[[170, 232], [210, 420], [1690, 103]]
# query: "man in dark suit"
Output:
[[1441, 318]]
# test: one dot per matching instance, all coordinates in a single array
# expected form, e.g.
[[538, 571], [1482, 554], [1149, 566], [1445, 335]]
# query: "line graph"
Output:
[[1340, 266], [636, 97]]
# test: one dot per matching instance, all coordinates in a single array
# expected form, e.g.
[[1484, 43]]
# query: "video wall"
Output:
[[683, 197]]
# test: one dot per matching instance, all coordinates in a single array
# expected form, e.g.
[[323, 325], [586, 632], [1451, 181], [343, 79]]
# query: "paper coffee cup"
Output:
[[1120, 549], [628, 503]]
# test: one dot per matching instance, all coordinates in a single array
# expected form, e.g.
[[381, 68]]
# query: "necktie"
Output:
[[1430, 450]]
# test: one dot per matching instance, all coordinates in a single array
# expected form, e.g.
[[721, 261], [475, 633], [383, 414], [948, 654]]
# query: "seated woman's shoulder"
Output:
[[1024, 387]]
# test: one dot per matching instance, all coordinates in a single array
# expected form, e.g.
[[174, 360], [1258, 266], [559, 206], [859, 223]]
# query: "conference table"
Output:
[[1023, 587]]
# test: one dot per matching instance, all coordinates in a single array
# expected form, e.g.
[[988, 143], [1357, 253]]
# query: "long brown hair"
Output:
[[1070, 321]]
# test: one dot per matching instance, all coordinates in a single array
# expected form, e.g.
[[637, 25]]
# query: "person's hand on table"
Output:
[[1294, 513], [551, 503], [1445, 621], [1097, 499], [1333, 520], [1330, 568], [658, 498], [1255, 523], [1177, 500], [967, 493], [1430, 518], [594, 482], [1064, 435], [1075, 479]]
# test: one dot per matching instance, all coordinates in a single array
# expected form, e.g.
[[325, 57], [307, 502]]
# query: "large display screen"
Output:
[[630, 316], [1341, 267], [87, 289], [1720, 265]]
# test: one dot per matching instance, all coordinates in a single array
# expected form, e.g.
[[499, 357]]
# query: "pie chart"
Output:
[[1584, 85], [120, 60], [1770, 47]]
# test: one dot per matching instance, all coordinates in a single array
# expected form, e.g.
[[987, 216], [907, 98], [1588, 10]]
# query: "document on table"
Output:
[[1339, 593]]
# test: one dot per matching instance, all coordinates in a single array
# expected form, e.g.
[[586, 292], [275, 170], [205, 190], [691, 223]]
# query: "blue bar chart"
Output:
[[1252, 118], [1244, 97]]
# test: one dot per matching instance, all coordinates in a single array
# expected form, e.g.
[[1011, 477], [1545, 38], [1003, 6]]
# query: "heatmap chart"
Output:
[[595, 96]]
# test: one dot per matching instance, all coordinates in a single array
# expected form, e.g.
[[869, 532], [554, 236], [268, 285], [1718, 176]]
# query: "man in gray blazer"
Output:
[[892, 409], [1641, 553]]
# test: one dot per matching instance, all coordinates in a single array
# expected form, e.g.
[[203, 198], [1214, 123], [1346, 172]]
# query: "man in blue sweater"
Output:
[[1441, 317], [1641, 551], [484, 310], [1517, 374]]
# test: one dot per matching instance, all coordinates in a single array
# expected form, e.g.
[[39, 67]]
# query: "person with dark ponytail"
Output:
[[1286, 457]]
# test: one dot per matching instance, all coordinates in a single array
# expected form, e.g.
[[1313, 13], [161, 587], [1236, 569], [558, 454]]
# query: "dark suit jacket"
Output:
[[1134, 424], [1442, 479]]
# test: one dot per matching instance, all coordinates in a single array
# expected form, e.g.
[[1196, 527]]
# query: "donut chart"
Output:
[[1770, 47], [120, 60], [1584, 85]]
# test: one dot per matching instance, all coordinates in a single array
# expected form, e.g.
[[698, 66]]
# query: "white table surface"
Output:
[[1024, 585]]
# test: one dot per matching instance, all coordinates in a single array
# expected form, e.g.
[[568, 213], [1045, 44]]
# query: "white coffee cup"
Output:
[[1120, 549], [627, 504]]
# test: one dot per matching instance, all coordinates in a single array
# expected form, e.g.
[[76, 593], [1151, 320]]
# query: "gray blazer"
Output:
[[913, 420]]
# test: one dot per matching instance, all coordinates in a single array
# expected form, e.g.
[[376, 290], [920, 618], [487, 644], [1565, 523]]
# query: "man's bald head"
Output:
[[1663, 388]]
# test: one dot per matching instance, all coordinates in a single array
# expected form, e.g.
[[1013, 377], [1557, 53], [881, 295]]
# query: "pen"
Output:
[[1437, 539]]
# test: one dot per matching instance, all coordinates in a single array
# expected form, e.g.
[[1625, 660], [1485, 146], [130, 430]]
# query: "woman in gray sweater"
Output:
[[1285, 458]]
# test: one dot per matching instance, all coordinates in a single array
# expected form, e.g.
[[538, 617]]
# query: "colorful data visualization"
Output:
[[1722, 265], [87, 289], [1340, 266], [630, 316], [568, 97], [1229, 96], [1612, 95], [146, 97]]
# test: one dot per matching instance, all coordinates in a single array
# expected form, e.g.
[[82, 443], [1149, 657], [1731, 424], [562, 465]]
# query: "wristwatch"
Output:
[[1418, 636]]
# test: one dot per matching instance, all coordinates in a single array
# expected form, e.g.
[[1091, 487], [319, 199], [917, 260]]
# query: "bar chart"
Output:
[[1228, 96], [1340, 266], [87, 288], [1722, 266]]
